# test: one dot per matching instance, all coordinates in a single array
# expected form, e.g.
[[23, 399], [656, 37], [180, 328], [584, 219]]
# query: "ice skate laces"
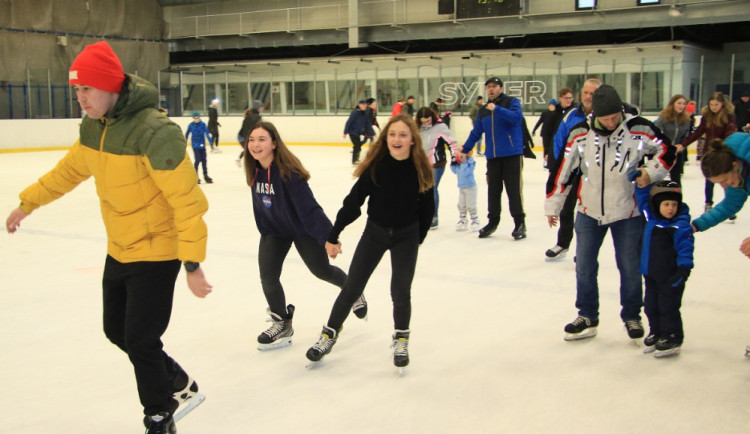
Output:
[[359, 304], [580, 321], [324, 343], [400, 346], [275, 329]]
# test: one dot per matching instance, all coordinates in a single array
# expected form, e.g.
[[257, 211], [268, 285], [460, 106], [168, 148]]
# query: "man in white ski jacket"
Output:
[[607, 150]]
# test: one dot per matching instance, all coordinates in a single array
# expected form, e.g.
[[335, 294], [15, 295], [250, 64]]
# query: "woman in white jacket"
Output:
[[435, 136]]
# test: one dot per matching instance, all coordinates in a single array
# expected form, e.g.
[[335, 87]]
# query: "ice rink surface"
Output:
[[487, 350]]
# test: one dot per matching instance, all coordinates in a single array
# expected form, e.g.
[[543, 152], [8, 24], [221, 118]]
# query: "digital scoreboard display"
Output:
[[487, 8]]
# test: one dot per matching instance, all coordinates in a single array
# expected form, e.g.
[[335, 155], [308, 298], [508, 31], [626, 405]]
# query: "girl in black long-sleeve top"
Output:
[[396, 175]]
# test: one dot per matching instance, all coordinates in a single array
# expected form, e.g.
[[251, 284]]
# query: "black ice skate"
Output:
[[581, 328], [208, 179], [160, 423], [279, 335], [185, 390], [519, 232], [634, 328], [360, 308], [667, 348], [401, 349], [650, 343], [555, 253], [327, 339], [488, 230]]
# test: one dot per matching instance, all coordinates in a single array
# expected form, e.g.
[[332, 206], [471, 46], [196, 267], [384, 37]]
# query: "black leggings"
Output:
[[137, 307], [272, 251], [376, 240]]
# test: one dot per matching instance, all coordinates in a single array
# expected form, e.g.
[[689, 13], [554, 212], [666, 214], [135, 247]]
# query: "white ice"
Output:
[[487, 350]]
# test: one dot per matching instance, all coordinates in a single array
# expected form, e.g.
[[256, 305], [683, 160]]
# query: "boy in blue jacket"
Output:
[[199, 130], [666, 261]]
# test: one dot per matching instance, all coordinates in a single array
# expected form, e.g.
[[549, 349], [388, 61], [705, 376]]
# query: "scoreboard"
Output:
[[480, 8]]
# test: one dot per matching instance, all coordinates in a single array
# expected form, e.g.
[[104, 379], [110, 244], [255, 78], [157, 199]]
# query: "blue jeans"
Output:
[[626, 235], [437, 174]]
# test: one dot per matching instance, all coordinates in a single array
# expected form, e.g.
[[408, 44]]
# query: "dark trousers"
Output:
[[403, 244], [505, 171], [709, 190], [661, 304], [214, 132], [200, 158], [272, 251], [137, 306], [675, 173], [567, 215], [356, 146]]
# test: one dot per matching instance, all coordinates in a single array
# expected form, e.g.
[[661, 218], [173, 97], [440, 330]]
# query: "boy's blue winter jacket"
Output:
[[734, 198], [199, 130], [668, 244]]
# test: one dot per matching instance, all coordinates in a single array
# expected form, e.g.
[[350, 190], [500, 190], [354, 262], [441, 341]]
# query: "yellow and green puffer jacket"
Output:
[[150, 199]]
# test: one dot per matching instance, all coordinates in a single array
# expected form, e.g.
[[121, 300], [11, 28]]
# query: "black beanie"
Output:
[[661, 191], [606, 101]]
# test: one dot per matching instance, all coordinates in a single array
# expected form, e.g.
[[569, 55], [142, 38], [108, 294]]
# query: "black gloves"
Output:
[[679, 277]]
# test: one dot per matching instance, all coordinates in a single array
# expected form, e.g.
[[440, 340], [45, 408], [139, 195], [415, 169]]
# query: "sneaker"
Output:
[[707, 207], [581, 328], [326, 341], [519, 232], [487, 230], [360, 307], [281, 331], [434, 223], [474, 226], [634, 328], [208, 179], [401, 348], [556, 252], [462, 224], [667, 348], [650, 343]]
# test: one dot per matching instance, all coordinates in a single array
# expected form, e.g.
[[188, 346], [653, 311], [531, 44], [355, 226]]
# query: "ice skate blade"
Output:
[[649, 349], [667, 353], [190, 405], [588, 333], [281, 343], [402, 371], [312, 365], [555, 258]]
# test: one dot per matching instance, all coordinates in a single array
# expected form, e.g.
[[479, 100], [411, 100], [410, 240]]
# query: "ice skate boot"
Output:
[[581, 328], [208, 179], [474, 226], [488, 230], [160, 423], [519, 232], [279, 335], [183, 386], [667, 347], [360, 308], [462, 224], [401, 349], [650, 343], [327, 339], [634, 328], [555, 253], [434, 224]]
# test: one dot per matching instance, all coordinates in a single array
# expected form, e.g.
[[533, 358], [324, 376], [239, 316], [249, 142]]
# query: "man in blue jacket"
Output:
[[501, 121]]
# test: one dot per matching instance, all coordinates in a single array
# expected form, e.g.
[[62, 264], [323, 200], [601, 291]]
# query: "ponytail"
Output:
[[717, 159]]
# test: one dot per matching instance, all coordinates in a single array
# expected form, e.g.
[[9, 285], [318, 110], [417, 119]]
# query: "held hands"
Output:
[[333, 250], [745, 247], [14, 220], [197, 283], [641, 177], [680, 148]]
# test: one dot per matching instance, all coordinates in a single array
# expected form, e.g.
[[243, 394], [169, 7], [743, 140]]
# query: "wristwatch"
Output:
[[191, 266]]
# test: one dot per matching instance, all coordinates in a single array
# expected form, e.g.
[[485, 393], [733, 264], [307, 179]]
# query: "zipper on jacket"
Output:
[[603, 167]]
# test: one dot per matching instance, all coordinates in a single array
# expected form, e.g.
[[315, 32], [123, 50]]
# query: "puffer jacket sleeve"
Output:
[[571, 160], [70, 171], [169, 166]]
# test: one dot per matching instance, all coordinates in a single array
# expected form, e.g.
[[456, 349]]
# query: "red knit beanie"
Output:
[[97, 66]]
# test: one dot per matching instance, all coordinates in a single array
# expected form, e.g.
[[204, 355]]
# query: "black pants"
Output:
[[675, 173], [356, 146], [505, 171], [272, 251], [137, 307], [403, 244], [213, 130], [567, 215], [661, 304], [200, 158]]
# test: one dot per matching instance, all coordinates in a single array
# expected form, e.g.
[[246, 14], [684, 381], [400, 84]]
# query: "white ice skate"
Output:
[[189, 406]]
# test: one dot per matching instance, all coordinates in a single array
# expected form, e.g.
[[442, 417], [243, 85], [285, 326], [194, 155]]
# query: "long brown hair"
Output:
[[425, 112], [669, 115], [284, 159], [379, 149], [717, 159], [717, 119]]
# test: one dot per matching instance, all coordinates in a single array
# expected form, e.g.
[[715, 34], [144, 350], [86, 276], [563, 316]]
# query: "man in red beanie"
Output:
[[153, 212]]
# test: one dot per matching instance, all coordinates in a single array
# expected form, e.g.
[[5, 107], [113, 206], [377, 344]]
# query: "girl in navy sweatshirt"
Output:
[[396, 176], [286, 212]]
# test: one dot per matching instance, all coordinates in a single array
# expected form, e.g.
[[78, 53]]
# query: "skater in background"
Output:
[[742, 111], [467, 193], [286, 213], [717, 122], [396, 176], [213, 125], [666, 262], [674, 122], [252, 117], [153, 213], [436, 136], [398, 107], [408, 108], [200, 136], [606, 150], [357, 125], [372, 114]]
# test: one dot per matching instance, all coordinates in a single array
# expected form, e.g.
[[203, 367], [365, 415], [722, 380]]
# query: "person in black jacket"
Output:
[[356, 126], [213, 125], [742, 111], [550, 119], [396, 176], [286, 213]]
